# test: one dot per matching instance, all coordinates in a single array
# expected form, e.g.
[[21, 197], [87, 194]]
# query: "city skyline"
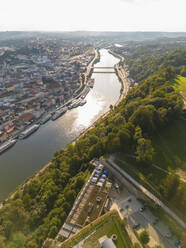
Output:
[[118, 15]]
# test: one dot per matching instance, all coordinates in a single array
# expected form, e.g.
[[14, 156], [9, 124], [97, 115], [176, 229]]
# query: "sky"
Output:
[[93, 15]]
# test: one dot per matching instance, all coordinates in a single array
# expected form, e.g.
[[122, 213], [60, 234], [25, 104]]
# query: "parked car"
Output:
[[116, 185], [177, 242], [168, 235], [98, 199]]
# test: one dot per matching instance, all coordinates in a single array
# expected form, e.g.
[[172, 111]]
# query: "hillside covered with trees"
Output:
[[40, 208], [147, 58]]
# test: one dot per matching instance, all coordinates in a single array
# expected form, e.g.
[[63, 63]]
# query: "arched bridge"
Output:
[[99, 67], [103, 71]]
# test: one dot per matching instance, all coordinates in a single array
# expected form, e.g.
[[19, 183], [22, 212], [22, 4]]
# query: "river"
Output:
[[31, 154]]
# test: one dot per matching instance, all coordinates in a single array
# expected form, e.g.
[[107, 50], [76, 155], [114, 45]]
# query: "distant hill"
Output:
[[124, 36]]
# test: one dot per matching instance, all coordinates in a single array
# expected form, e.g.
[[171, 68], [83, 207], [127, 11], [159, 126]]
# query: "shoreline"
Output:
[[44, 167], [123, 92], [80, 90]]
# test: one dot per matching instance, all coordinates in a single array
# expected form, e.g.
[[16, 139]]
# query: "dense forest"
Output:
[[147, 58], [142, 66], [40, 207]]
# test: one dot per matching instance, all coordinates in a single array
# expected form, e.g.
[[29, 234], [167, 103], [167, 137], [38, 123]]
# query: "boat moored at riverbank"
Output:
[[77, 103], [29, 131], [91, 82], [82, 102], [7, 145], [45, 119], [85, 92], [59, 113]]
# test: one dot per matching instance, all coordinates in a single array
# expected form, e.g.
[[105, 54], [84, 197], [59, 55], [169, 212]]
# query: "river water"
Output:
[[31, 154]]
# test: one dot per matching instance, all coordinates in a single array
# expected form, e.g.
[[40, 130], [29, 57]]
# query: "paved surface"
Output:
[[128, 227], [128, 204], [146, 192]]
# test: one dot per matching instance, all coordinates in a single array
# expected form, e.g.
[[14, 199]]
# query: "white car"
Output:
[[168, 235], [116, 185]]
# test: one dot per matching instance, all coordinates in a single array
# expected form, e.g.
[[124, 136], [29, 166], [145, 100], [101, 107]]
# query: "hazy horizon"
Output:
[[99, 16], [96, 31]]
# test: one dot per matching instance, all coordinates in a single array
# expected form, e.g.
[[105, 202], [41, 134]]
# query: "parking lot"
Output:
[[140, 218]]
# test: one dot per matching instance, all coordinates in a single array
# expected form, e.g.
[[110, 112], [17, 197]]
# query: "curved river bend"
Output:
[[31, 154]]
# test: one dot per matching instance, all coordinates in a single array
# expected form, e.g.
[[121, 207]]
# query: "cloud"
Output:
[[138, 1], [129, 1]]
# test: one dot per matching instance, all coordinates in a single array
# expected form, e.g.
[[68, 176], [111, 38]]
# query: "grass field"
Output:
[[180, 84], [108, 225], [149, 177], [170, 152], [170, 147]]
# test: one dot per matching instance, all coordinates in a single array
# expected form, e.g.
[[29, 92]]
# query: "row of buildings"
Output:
[[37, 77]]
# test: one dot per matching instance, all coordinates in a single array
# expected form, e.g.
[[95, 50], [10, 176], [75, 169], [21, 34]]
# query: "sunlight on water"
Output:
[[86, 113]]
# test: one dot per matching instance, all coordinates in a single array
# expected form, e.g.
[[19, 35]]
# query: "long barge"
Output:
[[45, 119], [28, 131], [91, 82], [85, 92], [7, 145], [59, 113]]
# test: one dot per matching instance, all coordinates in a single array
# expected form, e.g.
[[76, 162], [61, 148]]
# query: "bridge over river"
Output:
[[103, 69]]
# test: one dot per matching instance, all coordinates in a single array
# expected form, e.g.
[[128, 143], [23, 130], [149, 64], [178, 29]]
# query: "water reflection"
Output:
[[91, 109]]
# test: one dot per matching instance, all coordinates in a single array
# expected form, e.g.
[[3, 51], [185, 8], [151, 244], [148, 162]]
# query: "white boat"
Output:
[[45, 119], [71, 105], [83, 102], [28, 131], [59, 113], [75, 104], [7, 145], [91, 83], [85, 92]]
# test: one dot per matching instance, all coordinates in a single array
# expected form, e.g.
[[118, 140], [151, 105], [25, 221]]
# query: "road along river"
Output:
[[32, 153]]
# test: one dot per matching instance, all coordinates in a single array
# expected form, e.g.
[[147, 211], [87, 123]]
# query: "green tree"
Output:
[[32, 244], [74, 162], [70, 196], [144, 151], [144, 237], [138, 133], [124, 136], [136, 245], [144, 116], [53, 232], [111, 107], [171, 185], [184, 239], [18, 241], [2, 242], [8, 228], [27, 200]]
